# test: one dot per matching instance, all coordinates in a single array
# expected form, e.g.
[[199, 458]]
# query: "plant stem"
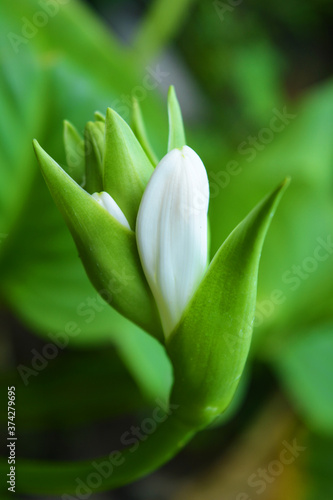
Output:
[[105, 473]]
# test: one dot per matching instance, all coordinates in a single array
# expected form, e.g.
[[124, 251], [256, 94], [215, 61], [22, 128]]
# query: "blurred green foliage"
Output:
[[246, 67]]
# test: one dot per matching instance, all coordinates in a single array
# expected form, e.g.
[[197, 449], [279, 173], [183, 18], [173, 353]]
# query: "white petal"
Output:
[[107, 202], [172, 232]]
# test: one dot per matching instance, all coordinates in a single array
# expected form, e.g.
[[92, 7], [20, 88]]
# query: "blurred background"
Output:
[[254, 80]]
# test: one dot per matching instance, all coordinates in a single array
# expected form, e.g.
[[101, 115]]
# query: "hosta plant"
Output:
[[141, 229]]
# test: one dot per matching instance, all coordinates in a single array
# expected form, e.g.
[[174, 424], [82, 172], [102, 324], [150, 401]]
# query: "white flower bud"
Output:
[[107, 202], [172, 232]]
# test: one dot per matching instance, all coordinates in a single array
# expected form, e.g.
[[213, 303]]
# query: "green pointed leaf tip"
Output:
[[127, 168], [107, 249], [139, 129], [176, 126], [209, 348], [99, 117], [94, 140], [74, 150]]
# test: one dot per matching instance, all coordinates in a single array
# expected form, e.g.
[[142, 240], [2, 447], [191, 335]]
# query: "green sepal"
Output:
[[139, 129], [94, 136], [209, 347], [107, 249], [176, 127], [75, 155], [127, 168]]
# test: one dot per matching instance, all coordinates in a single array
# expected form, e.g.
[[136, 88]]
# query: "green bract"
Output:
[[94, 155], [107, 249], [127, 168], [210, 346]]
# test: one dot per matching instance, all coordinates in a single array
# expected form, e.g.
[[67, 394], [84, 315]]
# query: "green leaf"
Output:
[[304, 364], [107, 249], [139, 130], [127, 169], [209, 347], [22, 104], [74, 149], [176, 126], [94, 135]]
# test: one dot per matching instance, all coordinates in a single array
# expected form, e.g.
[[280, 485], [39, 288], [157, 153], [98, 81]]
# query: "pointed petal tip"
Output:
[[107, 202]]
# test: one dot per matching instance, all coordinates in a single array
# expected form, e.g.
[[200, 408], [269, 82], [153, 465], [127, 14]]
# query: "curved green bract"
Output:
[[107, 249], [209, 348], [104, 473]]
